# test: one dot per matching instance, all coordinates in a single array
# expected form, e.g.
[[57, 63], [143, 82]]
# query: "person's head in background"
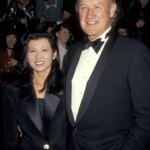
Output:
[[122, 26], [10, 39], [49, 2], [96, 16], [22, 2], [62, 34], [48, 27], [143, 3], [39, 58]]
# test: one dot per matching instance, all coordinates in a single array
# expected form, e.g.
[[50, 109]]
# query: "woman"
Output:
[[34, 110], [9, 57]]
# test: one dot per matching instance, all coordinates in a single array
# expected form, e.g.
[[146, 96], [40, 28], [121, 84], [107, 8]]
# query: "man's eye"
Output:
[[98, 7], [31, 51], [83, 8]]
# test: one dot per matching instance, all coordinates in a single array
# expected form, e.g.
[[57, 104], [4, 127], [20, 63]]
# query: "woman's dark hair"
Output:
[[54, 81]]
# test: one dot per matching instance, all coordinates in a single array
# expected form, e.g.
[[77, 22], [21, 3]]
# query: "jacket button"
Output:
[[75, 130], [46, 146]]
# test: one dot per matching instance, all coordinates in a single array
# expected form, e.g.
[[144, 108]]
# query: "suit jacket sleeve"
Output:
[[139, 84]]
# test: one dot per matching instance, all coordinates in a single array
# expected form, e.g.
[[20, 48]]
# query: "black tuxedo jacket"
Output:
[[21, 109], [115, 110]]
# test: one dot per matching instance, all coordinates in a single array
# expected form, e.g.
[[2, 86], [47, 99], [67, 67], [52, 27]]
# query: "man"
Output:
[[62, 36], [107, 92], [48, 11]]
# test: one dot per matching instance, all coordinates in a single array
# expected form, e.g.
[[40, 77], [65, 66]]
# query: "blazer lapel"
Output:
[[31, 108], [50, 106]]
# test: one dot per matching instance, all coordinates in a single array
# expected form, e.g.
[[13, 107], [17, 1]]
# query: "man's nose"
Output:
[[90, 13]]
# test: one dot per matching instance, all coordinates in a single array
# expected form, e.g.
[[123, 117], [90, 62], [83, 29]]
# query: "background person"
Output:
[[20, 15], [48, 11], [62, 34], [9, 56]]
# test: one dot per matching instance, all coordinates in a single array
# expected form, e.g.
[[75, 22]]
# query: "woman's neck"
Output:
[[39, 79], [38, 84], [10, 47], [9, 51]]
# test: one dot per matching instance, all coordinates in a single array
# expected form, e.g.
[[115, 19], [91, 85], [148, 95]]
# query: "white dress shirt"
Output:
[[62, 53], [84, 69]]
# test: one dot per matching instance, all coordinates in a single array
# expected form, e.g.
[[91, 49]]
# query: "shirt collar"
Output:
[[103, 36]]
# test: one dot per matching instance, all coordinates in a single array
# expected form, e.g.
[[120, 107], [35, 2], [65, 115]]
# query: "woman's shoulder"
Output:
[[9, 89], [9, 86], [57, 95]]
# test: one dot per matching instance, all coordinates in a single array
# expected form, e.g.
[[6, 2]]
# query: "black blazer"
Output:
[[21, 108], [115, 110]]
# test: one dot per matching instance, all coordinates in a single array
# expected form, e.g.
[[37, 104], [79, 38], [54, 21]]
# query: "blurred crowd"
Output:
[[59, 18], [134, 19]]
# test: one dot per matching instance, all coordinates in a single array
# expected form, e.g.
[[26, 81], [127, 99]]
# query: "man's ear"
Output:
[[113, 10]]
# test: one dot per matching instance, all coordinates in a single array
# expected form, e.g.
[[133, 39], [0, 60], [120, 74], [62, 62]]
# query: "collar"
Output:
[[105, 35]]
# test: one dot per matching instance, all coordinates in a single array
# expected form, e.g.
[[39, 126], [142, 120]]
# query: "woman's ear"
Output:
[[56, 34], [55, 55]]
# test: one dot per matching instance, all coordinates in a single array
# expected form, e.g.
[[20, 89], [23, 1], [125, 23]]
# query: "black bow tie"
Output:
[[96, 45]]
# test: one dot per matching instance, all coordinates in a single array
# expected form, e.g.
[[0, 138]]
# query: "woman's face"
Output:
[[11, 40], [40, 55]]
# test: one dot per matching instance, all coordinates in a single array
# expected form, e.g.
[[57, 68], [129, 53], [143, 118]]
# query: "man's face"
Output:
[[95, 16], [63, 35]]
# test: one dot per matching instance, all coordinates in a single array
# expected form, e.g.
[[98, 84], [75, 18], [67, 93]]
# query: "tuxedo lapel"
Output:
[[68, 81], [95, 77]]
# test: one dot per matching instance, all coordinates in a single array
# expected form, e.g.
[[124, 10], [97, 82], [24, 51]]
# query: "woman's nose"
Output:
[[38, 55]]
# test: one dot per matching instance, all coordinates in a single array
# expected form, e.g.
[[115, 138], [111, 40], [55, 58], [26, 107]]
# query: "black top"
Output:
[[41, 105]]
